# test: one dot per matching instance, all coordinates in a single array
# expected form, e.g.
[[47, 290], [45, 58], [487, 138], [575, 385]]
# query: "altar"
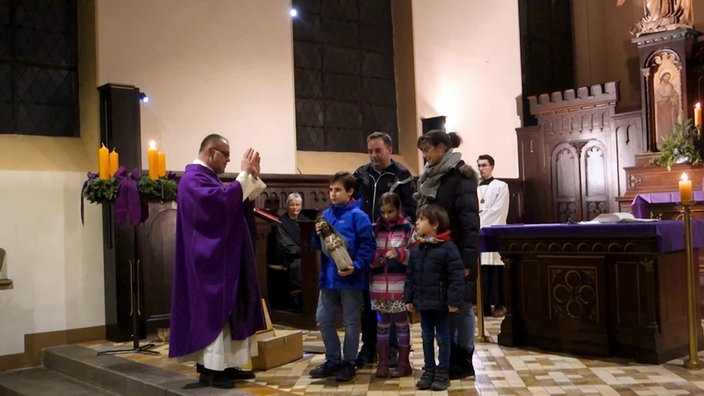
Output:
[[596, 289]]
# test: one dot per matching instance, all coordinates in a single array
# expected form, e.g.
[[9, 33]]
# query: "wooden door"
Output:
[[580, 180]]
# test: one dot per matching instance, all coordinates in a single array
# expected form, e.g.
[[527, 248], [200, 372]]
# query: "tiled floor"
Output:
[[500, 371]]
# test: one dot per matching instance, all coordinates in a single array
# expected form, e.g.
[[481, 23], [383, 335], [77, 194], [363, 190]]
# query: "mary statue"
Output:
[[662, 15]]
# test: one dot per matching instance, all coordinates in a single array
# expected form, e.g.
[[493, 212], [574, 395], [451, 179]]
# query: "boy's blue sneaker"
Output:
[[327, 369]]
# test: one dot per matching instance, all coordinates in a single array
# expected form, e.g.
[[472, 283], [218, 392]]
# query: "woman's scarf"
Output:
[[429, 181]]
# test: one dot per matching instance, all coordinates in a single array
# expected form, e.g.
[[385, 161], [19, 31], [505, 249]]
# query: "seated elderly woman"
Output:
[[288, 246]]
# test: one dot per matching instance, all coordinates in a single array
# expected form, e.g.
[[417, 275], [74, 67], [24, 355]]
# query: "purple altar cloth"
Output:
[[639, 206], [669, 233]]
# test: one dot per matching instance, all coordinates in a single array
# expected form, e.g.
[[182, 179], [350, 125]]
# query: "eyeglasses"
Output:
[[225, 154]]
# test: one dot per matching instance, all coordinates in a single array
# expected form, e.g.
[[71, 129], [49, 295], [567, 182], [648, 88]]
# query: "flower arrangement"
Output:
[[684, 146]]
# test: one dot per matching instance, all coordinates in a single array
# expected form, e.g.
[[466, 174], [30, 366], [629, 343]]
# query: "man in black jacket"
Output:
[[382, 174]]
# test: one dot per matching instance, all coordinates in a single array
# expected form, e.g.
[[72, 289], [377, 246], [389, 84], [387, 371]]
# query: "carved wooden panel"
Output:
[[573, 293], [595, 179], [156, 237], [534, 174], [629, 141], [579, 149], [566, 185]]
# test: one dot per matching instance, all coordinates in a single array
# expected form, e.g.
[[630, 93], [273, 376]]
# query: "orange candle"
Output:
[[103, 163], [697, 115], [152, 155], [685, 188], [161, 164], [114, 162]]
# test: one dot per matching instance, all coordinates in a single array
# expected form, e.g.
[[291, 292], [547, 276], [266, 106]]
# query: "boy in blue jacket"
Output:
[[342, 289]]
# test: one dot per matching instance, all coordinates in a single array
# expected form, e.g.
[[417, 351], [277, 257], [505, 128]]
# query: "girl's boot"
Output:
[[404, 365], [382, 367]]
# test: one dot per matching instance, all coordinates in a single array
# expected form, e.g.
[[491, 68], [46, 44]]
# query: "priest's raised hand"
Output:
[[251, 162]]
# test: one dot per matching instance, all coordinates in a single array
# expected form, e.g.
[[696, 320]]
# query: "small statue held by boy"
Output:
[[334, 245]]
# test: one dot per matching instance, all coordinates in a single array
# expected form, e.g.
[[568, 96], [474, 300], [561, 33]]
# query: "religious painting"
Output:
[[667, 94]]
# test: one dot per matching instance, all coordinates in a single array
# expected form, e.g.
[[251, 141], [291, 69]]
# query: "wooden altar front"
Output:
[[596, 289]]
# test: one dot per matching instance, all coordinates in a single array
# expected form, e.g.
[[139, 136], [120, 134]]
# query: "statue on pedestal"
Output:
[[663, 15]]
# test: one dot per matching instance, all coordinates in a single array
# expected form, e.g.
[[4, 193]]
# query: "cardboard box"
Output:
[[283, 347]]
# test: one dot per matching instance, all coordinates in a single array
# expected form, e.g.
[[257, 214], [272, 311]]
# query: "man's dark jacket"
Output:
[[372, 184]]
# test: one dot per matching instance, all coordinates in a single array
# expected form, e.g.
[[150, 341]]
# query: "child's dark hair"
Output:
[[435, 214], [348, 181], [391, 198]]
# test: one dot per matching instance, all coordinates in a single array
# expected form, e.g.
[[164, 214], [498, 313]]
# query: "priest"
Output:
[[216, 305]]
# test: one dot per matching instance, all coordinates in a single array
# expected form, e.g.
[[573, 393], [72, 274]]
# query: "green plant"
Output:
[[96, 190], [683, 146]]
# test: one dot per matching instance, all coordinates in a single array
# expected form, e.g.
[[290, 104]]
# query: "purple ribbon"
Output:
[[128, 205]]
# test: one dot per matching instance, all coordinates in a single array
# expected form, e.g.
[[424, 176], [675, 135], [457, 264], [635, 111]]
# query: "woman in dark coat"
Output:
[[450, 183], [288, 241]]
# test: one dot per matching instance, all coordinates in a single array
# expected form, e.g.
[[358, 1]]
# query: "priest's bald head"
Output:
[[215, 152]]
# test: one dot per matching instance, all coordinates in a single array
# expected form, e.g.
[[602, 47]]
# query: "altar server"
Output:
[[493, 210]]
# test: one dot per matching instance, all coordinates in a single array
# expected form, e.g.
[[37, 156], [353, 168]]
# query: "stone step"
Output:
[[39, 381], [90, 374]]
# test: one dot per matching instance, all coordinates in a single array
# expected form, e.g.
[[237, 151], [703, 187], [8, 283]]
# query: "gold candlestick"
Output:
[[692, 318]]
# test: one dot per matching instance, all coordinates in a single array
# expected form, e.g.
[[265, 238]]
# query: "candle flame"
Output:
[[697, 106], [152, 144], [684, 177]]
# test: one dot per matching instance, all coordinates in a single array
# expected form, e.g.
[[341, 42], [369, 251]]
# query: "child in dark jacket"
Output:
[[394, 234], [435, 287]]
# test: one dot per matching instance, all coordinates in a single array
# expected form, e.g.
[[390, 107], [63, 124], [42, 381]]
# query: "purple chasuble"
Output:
[[215, 275]]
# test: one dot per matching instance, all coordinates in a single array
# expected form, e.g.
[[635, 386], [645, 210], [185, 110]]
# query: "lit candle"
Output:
[[152, 155], [685, 188], [697, 114], [103, 163], [161, 164], [114, 162]]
